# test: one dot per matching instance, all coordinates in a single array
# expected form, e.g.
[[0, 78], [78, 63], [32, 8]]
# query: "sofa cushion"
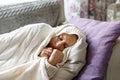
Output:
[[113, 69], [101, 37]]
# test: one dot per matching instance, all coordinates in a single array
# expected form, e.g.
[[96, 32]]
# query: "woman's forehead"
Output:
[[64, 34]]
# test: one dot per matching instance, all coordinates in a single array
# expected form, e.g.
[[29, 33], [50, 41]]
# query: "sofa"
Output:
[[20, 14], [52, 12]]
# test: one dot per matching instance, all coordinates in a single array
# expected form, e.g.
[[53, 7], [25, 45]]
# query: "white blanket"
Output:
[[19, 51]]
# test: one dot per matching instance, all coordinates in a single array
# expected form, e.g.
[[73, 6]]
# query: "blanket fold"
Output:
[[19, 51]]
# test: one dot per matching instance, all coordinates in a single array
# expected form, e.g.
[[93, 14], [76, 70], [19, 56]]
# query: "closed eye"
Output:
[[60, 38]]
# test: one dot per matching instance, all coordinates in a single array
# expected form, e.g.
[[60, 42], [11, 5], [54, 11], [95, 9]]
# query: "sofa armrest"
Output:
[[17, 15]]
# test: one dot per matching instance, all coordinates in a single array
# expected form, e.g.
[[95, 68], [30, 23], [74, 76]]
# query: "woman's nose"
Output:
[[60, 44]]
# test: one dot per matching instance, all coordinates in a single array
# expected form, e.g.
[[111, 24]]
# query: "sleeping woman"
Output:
[[40, 52], [58, 44]]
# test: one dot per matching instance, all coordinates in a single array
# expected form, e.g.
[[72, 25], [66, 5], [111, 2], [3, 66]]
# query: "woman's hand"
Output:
[[55, 57], [46, 52]]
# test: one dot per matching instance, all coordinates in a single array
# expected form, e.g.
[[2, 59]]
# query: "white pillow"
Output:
[[113, 72]]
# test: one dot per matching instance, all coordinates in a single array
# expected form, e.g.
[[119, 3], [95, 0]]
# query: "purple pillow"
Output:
[[101, 37]]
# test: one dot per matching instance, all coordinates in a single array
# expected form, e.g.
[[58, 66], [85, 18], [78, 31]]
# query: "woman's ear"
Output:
[[74, 35]]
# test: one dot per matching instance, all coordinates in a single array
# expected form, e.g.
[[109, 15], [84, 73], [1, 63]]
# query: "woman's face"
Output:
[[63, 41]]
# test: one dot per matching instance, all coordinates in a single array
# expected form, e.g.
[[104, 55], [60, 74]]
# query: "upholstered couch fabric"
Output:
[[17, 15]]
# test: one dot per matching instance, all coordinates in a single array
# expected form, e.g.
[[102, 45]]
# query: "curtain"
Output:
[[97, 9], [93, 9]]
